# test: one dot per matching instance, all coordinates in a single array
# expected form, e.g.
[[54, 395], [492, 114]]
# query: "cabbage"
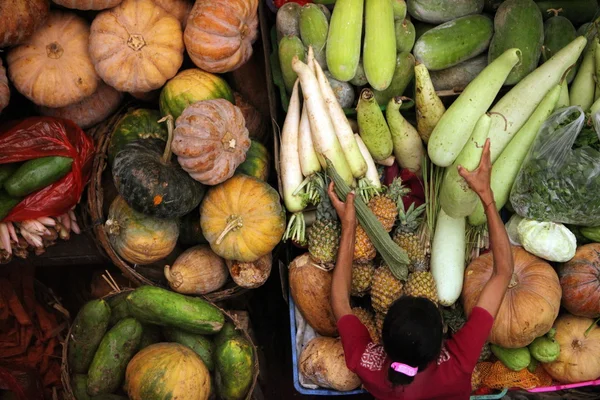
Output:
[[548, 240], [511, 229]]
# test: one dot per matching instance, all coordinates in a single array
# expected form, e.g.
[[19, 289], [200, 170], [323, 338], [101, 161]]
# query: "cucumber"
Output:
[[118, 307], [404, 73], [79, 387], [399, 7], [287, 22], [373, 128], [344, 92], [313, 31], [405, 35], [440, 11], [379, 50], [234, 365], [518, 24], [344, 39], [7, 203], [360, 79], [454, 42], [289, 47], [37, 174], [86, 334], [6, 170], [459, 76], [151, 334], [118, 346], [558, 32], [200, 344], [153, 305], [577, 11]]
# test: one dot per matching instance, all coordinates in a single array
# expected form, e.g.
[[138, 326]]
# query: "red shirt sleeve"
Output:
[[355, 338], [467, 343]]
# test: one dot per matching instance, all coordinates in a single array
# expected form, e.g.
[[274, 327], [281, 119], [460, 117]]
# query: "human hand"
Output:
[[345, 211], [479, 179]]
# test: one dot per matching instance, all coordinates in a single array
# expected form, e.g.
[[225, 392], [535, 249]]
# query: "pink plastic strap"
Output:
[[404, 369]]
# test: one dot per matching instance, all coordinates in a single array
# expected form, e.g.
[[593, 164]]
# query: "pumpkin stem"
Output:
[[234, 223], [514, 281], [112, 227], [170, 127], [591, 327]]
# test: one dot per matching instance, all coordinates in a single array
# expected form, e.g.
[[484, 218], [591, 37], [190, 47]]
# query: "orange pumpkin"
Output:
[[530, 305], [4, 90], [242, 218], [53, 68], [579, 359], [88, 4], [180, 9], [19, 19], [136, 46], [219, 33], [91, 110], [211, 140], [580, 281]]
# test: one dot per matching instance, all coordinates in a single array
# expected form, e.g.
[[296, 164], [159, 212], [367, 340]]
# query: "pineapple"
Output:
[[421, 284], [379, 318], [324, 234], [362, 277], [364, 249], [385, 289], [406, 235], [368, 320], [385, 207]]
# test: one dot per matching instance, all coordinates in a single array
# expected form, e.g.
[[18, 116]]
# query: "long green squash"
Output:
[[456, 125], [507, 166], [584, 84], [515, 108], [379, 51], [344, 39], [456, 198]]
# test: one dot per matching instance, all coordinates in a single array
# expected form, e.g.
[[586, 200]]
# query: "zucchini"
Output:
[[287, 22], [200, 344], [86, 334], [518, 24], [373, 128], [459, 76], [6, 170], [36, 174], [403, 74], [558, 32], [7, 203], [405, 35], [344, 39], [290, 47], [454, 42], [440, 11], [577, 11], [379, 51], [313, 31], [153, 305]]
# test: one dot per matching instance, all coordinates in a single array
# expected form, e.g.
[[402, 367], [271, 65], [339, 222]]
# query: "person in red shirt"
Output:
[[414, 362]]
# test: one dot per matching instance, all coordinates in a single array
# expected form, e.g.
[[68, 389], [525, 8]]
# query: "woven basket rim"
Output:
[[102, 134], [66, 376]]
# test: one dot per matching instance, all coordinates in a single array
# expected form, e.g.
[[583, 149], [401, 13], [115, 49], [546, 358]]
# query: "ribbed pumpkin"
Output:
[[180, 9], [530, 305], [91, 110], [198, 270], [53, 68], [4, 89], [211, 140], [579, 359], [219, 33], [139, 238], [165, 371], [257, 162], [242, 218], [136, 124], [310, 288], [136, 46], [190, 86], [580, 281], [88, 4], [20, 18], [253, 274]]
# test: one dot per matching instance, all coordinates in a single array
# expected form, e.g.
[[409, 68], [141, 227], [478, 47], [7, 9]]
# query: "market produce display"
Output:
[[523, 74], [153, 343]]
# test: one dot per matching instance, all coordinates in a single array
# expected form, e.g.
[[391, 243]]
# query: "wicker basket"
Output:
[[66, 377], [100, 194]]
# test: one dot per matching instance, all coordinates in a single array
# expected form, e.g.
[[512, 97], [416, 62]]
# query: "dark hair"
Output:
[[412, 334]]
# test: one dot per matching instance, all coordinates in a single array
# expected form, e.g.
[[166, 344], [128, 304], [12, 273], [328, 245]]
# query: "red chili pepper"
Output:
[[279, 3]]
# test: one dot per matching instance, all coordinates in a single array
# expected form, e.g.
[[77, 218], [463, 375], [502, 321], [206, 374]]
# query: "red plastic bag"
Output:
[[279, 3], [37, 137], [410, 180]]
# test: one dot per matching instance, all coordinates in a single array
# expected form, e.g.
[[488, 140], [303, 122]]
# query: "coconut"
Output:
[[322, 362]]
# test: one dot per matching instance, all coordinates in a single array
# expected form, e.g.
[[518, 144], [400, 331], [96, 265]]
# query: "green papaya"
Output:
[[234, 366], [545, 348], [513, 359]]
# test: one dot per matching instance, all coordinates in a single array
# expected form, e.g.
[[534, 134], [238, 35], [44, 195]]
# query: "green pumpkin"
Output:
[[191, 86], [257, 162], [136, 124], [234, 362], [152, 182]]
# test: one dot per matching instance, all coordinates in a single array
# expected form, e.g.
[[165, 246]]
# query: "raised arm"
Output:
[[495, 289], [342, 274]]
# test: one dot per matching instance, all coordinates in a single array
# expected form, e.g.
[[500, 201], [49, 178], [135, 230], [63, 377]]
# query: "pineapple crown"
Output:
[[325, 210], [410, 219], [396, 191]]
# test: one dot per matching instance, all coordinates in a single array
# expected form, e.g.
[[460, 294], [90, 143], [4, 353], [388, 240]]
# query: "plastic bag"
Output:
[[560, 178], [37, 137]]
